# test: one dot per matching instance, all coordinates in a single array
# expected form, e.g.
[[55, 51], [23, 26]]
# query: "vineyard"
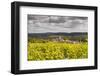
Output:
[[50, 50]]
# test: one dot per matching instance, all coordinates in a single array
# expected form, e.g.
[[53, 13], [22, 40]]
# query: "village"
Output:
[[61, 39]]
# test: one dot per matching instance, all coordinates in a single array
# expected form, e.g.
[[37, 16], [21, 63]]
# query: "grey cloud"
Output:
[[42, 24]]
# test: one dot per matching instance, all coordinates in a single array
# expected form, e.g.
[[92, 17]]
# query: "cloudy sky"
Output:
[[50, 23]]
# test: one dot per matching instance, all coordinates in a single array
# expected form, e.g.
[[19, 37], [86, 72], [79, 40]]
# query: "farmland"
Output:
[[57, 47]]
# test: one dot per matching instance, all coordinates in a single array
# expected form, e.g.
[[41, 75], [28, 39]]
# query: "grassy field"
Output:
[[57, 50]]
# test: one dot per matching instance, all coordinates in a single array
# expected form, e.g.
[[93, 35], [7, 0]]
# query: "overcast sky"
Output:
[[46, 23]]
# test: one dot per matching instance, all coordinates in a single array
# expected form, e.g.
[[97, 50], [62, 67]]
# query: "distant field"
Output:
[[56, 50]]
